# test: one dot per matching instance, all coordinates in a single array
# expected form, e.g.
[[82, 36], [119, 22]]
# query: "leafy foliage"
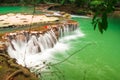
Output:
[[101, 8]]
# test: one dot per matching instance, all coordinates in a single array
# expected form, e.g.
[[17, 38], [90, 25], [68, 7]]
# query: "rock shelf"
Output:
[[24, 19], [56, 30]]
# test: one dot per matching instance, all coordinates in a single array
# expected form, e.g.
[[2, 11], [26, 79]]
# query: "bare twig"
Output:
[[20, 69], [68, 56]]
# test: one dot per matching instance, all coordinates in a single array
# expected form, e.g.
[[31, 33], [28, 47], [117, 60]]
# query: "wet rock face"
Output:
[[3, 47], [39, 40], [31, 42]]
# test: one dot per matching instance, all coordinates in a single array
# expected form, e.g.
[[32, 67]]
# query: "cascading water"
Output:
[[28, 43], [32, 49], [65, 30]]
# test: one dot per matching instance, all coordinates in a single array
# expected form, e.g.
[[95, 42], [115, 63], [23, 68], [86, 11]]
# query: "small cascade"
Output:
[[67, 29], [22, 44]]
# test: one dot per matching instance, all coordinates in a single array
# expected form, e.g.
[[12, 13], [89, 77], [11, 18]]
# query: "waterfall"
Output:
[[28, 47], [26, 43], [67, 29]]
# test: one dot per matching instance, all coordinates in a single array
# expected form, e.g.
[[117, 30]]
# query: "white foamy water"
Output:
[[79, 16], [49, 55], [26, 49], [77, 33]]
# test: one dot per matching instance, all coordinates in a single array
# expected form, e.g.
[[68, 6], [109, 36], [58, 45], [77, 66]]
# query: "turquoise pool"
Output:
[[17, 9], [98, 61]]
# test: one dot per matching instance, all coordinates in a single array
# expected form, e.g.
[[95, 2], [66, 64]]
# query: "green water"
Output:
[[17, 9], [98, 61]]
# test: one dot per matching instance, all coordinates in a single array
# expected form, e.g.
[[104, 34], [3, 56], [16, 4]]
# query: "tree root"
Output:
[[18, 68], [13, 74]]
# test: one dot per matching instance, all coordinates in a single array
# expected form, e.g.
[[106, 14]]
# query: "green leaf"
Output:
[[100, 27], [62, 2], [96, 2], [95, 25], [104, 21], [94, 19]]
